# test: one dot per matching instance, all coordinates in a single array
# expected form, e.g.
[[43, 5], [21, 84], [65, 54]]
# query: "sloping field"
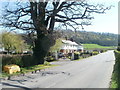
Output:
[[96, 46]]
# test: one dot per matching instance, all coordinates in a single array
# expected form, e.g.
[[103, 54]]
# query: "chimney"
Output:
[[71, 39]]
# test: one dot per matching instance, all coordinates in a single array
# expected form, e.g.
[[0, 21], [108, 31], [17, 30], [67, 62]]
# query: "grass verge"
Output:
[[28, 69], [115, 83]]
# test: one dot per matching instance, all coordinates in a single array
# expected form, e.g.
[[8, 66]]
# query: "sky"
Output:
[[107, 22]]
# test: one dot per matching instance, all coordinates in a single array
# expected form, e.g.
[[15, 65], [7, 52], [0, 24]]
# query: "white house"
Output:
[[70, 46]]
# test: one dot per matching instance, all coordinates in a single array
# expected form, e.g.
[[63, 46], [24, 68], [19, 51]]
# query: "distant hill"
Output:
[[81, 37], [84, 37]]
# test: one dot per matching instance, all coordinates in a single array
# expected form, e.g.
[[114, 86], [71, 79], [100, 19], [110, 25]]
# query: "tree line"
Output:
[[85, 37]]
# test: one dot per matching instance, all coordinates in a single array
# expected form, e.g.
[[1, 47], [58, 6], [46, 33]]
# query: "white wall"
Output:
[[71, 47]]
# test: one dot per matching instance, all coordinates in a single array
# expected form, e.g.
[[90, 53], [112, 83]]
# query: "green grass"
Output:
[[28, 69], [96, 46], [115, 83]]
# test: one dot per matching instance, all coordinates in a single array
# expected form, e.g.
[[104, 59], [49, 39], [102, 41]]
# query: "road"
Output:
[[92, 72]]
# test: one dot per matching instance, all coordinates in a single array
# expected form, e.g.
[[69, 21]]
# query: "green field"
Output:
[[96, 46]]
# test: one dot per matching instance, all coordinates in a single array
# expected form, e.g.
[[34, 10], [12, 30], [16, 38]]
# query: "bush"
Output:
[[95, 52], [86, 54], [49, 58], [46, 63], [118, 48], [21, 60], [76, 55], [101, 51]]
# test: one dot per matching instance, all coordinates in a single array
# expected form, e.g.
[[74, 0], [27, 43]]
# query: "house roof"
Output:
[[69, 42]]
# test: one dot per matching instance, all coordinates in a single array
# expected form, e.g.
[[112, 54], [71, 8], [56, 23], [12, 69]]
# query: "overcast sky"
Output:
[[104, 22]]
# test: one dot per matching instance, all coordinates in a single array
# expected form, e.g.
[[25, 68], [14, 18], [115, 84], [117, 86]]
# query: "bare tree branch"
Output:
[[42, 16]]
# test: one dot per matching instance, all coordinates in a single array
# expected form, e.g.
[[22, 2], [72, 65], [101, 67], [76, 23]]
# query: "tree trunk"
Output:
[[42, 46]]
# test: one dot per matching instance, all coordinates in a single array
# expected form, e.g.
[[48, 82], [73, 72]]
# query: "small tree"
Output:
[[57, 45], [12, 41]]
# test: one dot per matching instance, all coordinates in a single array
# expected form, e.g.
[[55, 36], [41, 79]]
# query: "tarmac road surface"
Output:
[[92, 72]]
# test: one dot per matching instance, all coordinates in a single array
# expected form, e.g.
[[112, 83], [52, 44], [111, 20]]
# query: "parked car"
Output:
[[60, 55], [3, 52], [27, 52]]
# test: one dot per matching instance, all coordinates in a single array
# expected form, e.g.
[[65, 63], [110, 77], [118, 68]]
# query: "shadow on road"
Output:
[[15, 87]]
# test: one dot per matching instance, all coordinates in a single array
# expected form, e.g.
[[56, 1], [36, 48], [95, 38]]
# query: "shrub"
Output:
[[21, 60], [28, 60], [86, 54], [76, 55], [46, 63], [49, 58], [10, 59], [95, 52], [118, 48]]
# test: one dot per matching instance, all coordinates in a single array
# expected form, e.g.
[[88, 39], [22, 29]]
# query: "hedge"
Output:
[[116, 73], [21, 60]]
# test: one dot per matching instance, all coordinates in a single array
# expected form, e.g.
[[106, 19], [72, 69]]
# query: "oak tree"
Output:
[[41, 16]]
